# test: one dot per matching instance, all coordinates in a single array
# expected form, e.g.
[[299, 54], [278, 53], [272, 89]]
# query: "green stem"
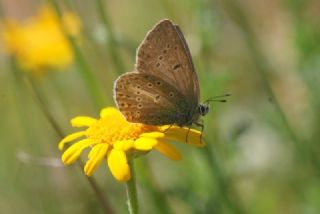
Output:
[[100, 196], [132, 190], [93, 183], [116, 58], [20, 99], [84, 69], [41, 104], [21, 106], [259, 59], [36, 94], [151, 187], [263, 67], [226, 192]]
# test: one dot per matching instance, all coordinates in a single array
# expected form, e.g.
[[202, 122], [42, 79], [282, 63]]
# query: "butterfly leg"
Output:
[[200, 124], [167, 128], [187, 135]]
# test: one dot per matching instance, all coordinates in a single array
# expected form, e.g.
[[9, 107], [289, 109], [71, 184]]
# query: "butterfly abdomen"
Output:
[[187, 118]]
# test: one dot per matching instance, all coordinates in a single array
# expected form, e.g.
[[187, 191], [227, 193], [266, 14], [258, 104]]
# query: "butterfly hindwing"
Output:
[[145, 98]]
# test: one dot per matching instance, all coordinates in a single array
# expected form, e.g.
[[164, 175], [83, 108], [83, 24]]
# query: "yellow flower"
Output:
[[113, 138], [39, 43]]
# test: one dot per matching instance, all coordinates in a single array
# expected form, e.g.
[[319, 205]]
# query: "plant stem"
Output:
[[151, 186], [132, 190], [100, 196], [259, 59], [84, 68], [93, 183], [223, 184], [263, 67], [45, 110], [116, 58], [20, 99]]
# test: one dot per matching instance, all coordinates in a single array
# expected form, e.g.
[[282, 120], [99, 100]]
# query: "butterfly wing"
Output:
[[145, 98], [164, 53]]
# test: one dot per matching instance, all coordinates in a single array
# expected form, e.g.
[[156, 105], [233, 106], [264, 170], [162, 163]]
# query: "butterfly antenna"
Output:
[[218, 98]]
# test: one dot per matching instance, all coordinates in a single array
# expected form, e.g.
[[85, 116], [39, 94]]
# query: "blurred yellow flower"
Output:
[[39, 43], [113, 138]]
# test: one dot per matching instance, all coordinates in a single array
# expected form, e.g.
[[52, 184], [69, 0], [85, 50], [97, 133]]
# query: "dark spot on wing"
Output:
[[176, 66]]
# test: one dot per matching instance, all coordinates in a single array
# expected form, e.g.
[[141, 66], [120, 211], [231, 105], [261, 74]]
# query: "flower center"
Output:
[[110, 131]]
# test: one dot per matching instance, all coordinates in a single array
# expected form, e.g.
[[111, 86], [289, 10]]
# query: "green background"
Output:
[[262, 145]]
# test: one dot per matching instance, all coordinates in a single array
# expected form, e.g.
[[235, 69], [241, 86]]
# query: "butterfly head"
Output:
[[203, 108]]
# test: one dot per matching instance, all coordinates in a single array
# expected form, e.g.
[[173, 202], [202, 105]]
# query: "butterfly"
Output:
[[163, 88]]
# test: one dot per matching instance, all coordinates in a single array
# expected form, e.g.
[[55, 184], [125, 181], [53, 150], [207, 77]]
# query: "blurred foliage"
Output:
[[263, 144]]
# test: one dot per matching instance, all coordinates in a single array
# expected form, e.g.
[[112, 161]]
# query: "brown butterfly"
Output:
[[163, 89]]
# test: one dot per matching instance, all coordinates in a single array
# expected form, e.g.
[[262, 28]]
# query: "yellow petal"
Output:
[[118, 164], [129, 144], [124, 145], [153, 134], [118, 145], [145, 143], [69, 138], [109, 112], [168, 150], [96, 155], [81, 121], [176, 133], [165, 127], [74, 151]]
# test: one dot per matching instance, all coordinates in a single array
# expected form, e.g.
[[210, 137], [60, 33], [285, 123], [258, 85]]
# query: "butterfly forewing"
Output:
[[164, 87], [194, 87], [145, 98], [165, 54]]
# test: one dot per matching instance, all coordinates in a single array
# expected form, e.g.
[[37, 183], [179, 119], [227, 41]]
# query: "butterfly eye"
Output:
[[171, 94], [150, 85], [139, 106], [157, 65], [158, 83], [160, 57], [203, 109], [164, 51], [139, 99]]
